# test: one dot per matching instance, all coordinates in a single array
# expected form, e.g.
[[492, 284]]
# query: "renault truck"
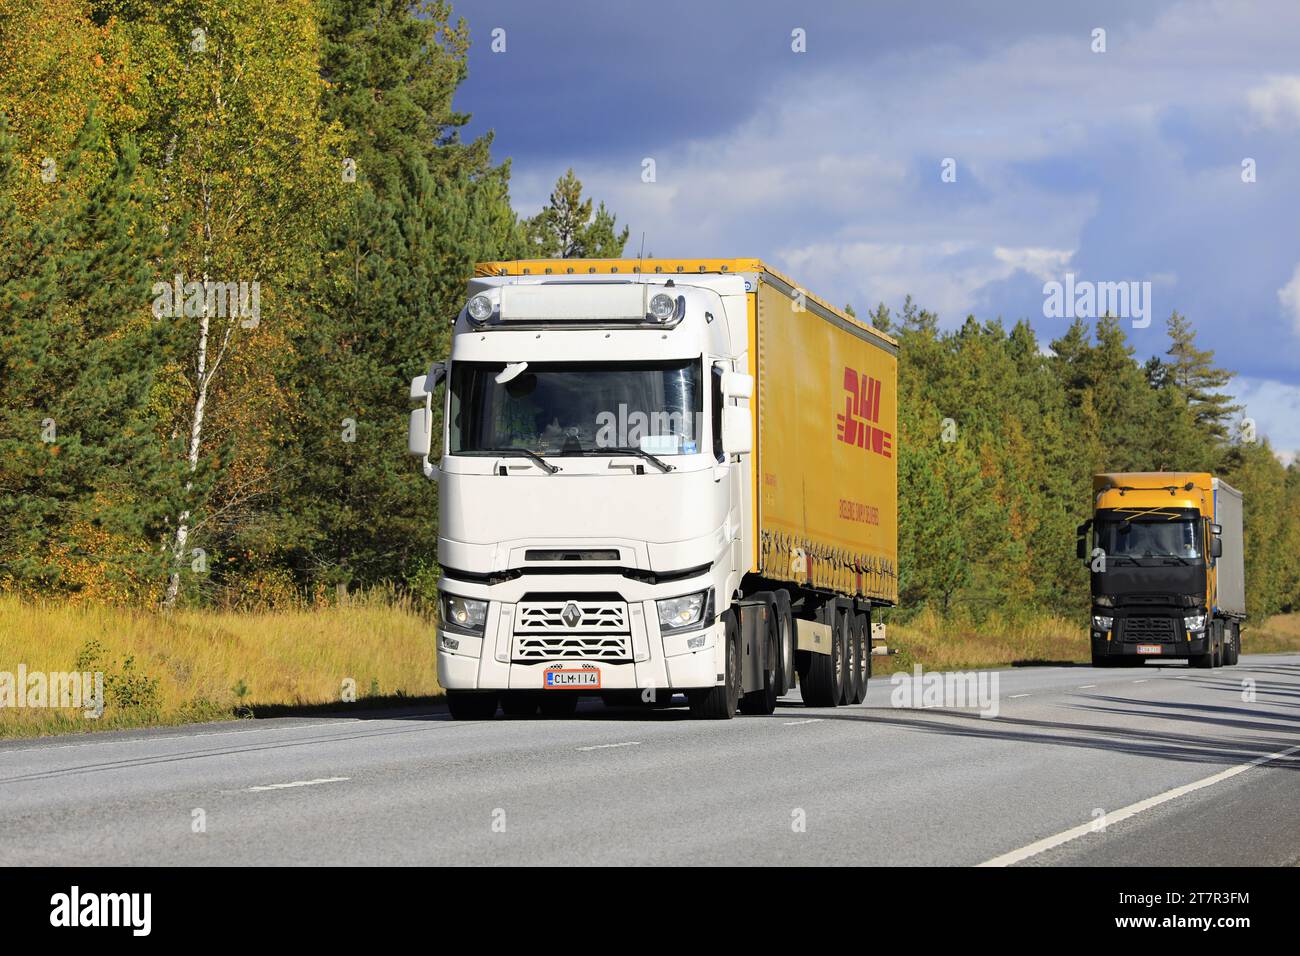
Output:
[[657, 478], [1167, 568]]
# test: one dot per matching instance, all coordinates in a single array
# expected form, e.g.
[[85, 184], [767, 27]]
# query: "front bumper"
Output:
[[1175, 649]]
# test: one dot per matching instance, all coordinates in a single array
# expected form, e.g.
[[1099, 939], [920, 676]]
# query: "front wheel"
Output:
[[719, 703], [471, 704]]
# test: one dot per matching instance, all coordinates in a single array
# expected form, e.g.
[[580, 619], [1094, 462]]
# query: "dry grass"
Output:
[[198, 665], [1276, 634], [958, 643]]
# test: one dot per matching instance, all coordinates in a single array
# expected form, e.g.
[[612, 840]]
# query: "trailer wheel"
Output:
[[785, 620], [817, 680], [558, 704], [471, 704], [861, 655], [762, 701], [848, 674], [719, 703], [519, 703]]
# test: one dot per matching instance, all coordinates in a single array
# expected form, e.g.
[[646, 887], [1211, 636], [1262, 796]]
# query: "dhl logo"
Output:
[[859, 424]]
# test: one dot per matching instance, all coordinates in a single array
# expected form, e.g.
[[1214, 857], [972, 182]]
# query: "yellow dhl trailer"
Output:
[[659, 476]]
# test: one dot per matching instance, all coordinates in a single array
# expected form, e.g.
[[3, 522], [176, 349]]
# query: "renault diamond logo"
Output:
[[571, 615]]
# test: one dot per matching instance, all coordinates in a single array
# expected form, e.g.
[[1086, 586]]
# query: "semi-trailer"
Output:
[[658, 477]]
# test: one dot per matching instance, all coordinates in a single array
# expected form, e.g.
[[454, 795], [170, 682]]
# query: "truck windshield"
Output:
[[577, 408], [1150, 537]]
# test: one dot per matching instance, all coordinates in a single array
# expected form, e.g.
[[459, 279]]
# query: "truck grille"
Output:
[[572, 630], [1159, 629]]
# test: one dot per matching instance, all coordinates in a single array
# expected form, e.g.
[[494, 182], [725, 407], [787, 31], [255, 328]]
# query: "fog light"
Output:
[[697, 642], [450, 643], [1102, 622]]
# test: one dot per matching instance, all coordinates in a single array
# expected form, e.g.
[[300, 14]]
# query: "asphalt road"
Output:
[[1175, 759]]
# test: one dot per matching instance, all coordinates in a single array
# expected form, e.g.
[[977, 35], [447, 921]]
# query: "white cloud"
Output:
[[1276, 103], [1289, 296], [1275, 409], [1045, 264]]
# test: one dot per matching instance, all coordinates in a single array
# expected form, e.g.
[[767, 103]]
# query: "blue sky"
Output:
[[1117, 166]]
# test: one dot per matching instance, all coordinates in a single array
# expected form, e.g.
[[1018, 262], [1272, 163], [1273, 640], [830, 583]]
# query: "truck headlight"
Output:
[[1102, 622], [480, 309], [465, 615], [685, 613], [1194, 622]]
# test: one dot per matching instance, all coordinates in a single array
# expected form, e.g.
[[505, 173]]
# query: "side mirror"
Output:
[[419, 431], [1081, 549], [737, 430], [1216, 548]]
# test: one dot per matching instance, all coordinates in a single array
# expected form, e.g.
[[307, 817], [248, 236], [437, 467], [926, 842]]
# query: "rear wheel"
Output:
[[471, 704], [558, 703], [843, 662], [861, 635], [762, 701], [817, 679], [849, 683], [719, 703], [1232, 651]]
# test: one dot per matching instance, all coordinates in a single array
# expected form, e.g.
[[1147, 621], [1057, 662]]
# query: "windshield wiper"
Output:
[[525, 453], [638, 452]]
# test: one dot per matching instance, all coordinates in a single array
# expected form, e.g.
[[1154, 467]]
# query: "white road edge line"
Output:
[[297, 783], [799, 723], [1086, 686], [1132, 810], [626, 743], [1142, 681], [1014, 696]]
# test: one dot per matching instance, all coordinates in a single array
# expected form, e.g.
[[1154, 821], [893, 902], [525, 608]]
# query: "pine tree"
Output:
[[1193, 371], [566, 228]]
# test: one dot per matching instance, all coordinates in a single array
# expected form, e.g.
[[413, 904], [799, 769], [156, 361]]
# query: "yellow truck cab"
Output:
[[1167, 567]]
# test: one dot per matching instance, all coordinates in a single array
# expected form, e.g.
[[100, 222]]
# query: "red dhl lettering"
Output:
[[859, 423]]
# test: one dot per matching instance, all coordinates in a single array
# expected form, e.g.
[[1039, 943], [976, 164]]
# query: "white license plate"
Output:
[[1148, 648], [572, 677]]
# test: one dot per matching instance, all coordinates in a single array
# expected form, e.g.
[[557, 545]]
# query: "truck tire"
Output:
[[818, 680], [1233, 651], [762, 701], [519, 703], [471, 704], [844, 663], [789, 640], [719, 703], [861, 655], [848, 674], [558, 703]]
